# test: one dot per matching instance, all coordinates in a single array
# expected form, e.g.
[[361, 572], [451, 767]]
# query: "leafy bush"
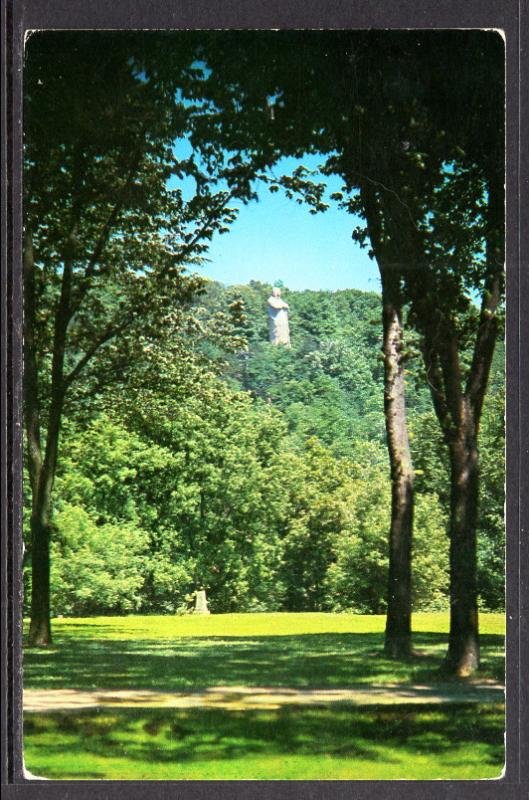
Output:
[[95, 568], [357, 578]]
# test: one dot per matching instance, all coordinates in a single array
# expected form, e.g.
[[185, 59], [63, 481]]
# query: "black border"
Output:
[[511, 16]]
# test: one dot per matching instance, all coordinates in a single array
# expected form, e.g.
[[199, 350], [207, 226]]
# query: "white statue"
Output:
[[278, 318]]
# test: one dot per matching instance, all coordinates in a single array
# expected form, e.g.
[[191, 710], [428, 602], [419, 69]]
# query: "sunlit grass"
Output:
[[296, 650], [266, 624]]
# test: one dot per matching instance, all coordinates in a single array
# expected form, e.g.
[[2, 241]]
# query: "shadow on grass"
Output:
[[161, 737], [298, 661]]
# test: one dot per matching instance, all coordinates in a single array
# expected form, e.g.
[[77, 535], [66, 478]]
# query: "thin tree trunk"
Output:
[[40, 630], [31, 378], [42, 470], [463, 647], [398, 619], [40, 625]]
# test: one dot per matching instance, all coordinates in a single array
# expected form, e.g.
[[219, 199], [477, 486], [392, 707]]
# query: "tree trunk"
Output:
[[40, 626], [463, 647], [398, 620], [42, 470], [397, 642], [39, 629]]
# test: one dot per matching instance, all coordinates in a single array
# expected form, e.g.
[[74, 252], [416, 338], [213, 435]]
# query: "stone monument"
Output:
[[279, 332], [201, 604]]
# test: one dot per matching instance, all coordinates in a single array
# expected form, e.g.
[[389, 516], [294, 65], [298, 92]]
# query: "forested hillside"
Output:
[[260, 473]]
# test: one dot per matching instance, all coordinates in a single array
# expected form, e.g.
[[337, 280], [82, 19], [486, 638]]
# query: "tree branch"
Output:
[[104, 236], [110, 332], [188, 247], [435, 382], [492, 295]]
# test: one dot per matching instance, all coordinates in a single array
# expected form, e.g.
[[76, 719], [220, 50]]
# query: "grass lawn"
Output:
[[276, 650]]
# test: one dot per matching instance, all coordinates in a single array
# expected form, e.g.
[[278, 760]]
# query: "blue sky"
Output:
[[277, 239]]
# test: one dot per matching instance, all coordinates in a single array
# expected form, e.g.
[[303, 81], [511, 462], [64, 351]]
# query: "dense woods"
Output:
[[262, 478]]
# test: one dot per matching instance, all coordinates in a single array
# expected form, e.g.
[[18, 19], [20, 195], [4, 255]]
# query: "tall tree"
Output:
[[464, 250], [439, 208], [458, 386], [106, 241], [314, 97], [395, 126]]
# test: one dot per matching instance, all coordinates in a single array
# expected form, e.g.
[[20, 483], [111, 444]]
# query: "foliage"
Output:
[[271, 494], [491, 531], [328, 383], [357, 578], [198, 486], [96, 567], [105, 228]]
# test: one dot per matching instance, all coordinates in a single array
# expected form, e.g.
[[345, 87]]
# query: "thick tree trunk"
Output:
[[463, 647], [398, 620], [458, 414]]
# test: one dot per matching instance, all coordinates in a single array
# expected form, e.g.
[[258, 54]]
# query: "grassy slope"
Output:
[[303, 650]]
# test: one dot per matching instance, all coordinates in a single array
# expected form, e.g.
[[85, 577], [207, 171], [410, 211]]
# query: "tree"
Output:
[[189, 481], [442, 211], [223, 504], [106, 241], [404, 139], [309, 100], [320, 495], [458, 388]]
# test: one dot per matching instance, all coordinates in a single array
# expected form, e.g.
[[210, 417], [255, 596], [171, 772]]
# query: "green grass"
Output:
[[298, 650], [458, 742]]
